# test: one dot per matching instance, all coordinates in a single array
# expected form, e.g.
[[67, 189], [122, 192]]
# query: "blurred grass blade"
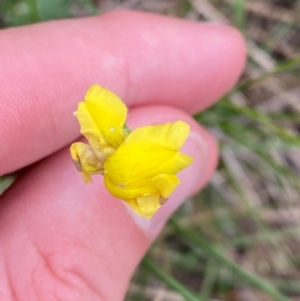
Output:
[[263, 119], [34, 11], [5, 182], [54, 9], [213, 252], [170, 281], [210, 276], [283, 67], [270, 236], [240, 14]]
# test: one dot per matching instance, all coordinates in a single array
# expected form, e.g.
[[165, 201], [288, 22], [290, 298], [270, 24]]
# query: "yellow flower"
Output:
[[142, 170], [102, 116], [139, 168]]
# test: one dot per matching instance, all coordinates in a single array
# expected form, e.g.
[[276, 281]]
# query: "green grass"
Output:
[[241, 234]]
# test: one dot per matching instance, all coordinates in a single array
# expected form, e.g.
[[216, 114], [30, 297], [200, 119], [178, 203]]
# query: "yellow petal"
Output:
[[148, 205], [148, 152], [145, 206], [134, 205], [142, 171], [102, 116], [124, 192], [162, 185], [166, 184], [163, 136]]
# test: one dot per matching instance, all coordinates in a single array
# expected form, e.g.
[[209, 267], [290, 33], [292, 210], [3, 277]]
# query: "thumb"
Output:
[[76, 240]]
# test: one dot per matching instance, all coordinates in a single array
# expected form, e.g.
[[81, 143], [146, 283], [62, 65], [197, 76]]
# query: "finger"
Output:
[[47, 68], [76, 240]]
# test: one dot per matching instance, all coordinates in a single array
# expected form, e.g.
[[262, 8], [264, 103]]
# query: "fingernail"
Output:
[[190, 177]]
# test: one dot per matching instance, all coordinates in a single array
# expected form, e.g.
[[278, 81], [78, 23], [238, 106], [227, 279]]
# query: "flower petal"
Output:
[[134, 205], [169, 136], [124, 192], [163, 185], [148, 152], [102, 116], [166, 184], [145, 206], [148, 205], [142, 170]]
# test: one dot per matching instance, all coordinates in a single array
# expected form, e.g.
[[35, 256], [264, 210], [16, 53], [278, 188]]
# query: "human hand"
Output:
[[62, 239]]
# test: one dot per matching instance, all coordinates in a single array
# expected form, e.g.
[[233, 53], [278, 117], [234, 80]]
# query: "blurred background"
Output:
[[239, 239]]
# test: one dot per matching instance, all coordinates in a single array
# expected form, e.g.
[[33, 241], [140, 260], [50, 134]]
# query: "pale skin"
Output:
[[61, 239]]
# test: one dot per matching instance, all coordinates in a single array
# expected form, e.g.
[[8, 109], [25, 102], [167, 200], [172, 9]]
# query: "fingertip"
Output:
[[222, 60], [234, 50]]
